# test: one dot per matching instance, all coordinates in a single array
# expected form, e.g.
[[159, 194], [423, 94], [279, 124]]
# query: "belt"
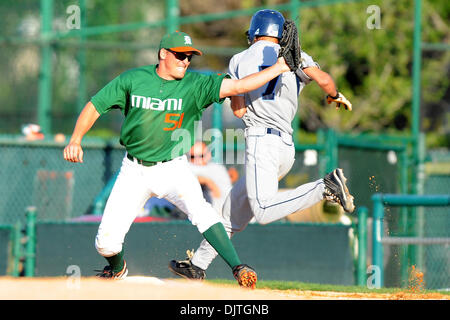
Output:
[[143, 162], [273, 131]]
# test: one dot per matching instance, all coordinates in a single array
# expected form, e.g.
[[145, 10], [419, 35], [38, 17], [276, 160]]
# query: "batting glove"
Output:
[[340, 101]]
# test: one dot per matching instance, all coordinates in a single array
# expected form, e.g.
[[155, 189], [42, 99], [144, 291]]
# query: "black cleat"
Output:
[[336, 190], [186, 269], [108, 273]]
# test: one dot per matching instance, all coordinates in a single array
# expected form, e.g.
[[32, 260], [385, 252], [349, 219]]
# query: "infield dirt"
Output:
[[148, 288]]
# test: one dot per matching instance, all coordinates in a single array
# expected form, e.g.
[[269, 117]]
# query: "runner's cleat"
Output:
[[336, 190], [186, 269]]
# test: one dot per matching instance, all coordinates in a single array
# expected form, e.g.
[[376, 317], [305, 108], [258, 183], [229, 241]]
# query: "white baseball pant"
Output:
[[172, 180]]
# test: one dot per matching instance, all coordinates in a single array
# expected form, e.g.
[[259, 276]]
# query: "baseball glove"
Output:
[[340, 101], [290, 45]]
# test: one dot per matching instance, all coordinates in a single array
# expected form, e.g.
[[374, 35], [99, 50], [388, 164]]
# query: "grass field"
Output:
[[315, 289]]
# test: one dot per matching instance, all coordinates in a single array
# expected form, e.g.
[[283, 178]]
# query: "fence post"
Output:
[[81, 58], [45, 72], [331, 150], [17, 248], [217, 117], [404, 219], [420, 211], [30, 254], [377, 233], [362, 246], [322, 153], [172, 12]]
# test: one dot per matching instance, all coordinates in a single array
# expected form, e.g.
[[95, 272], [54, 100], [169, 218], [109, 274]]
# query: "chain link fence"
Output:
[[35, 174], [423, 265], [369, 171], [437, 221], [422, 259]]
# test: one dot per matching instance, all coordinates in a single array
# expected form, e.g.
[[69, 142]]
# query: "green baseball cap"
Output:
[[179, 42]]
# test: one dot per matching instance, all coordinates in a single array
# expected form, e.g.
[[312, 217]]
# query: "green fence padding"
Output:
[[293, 252], [5, 245]]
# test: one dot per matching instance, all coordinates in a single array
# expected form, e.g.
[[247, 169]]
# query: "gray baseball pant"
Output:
[[269, 157]]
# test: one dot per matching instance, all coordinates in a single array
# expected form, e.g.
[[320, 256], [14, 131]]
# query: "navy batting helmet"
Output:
[[266, 23]]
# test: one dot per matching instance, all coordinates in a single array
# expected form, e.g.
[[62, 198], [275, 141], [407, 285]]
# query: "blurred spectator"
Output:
[[213, 177], [59, 138], [234, 174], [32, 132], [157, 207]]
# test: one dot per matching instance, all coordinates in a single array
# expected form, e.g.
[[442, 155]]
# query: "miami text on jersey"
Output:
[[155, 103]]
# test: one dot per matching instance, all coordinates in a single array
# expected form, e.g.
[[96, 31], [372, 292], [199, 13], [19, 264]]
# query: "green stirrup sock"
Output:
[[218, 238], [116, 262]]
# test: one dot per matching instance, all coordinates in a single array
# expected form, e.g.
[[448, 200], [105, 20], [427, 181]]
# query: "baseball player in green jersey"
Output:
[[157, 101]]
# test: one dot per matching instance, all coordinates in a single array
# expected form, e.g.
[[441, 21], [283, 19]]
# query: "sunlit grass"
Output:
[[294, 285]]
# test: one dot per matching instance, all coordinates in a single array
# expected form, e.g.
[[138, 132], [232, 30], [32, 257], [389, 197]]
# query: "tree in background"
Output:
[[372, 65]]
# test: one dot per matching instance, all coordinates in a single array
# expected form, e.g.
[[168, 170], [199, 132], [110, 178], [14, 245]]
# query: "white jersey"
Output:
[[273, 105]]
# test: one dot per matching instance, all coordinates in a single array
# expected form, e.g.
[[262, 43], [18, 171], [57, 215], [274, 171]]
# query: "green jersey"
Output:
[[155, 109]]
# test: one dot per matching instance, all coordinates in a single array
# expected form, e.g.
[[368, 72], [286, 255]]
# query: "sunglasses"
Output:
[[181, 55], [197, 157]]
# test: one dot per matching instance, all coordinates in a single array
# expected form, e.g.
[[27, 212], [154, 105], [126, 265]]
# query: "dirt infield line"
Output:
[[148, 288]]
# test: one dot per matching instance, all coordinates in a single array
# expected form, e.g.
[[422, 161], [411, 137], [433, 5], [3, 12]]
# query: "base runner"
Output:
[[267, 113]]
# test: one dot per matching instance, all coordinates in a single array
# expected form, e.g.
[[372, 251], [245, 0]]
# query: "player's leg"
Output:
[[267, 156], [187, 196], [236, 215], [126, 200]]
